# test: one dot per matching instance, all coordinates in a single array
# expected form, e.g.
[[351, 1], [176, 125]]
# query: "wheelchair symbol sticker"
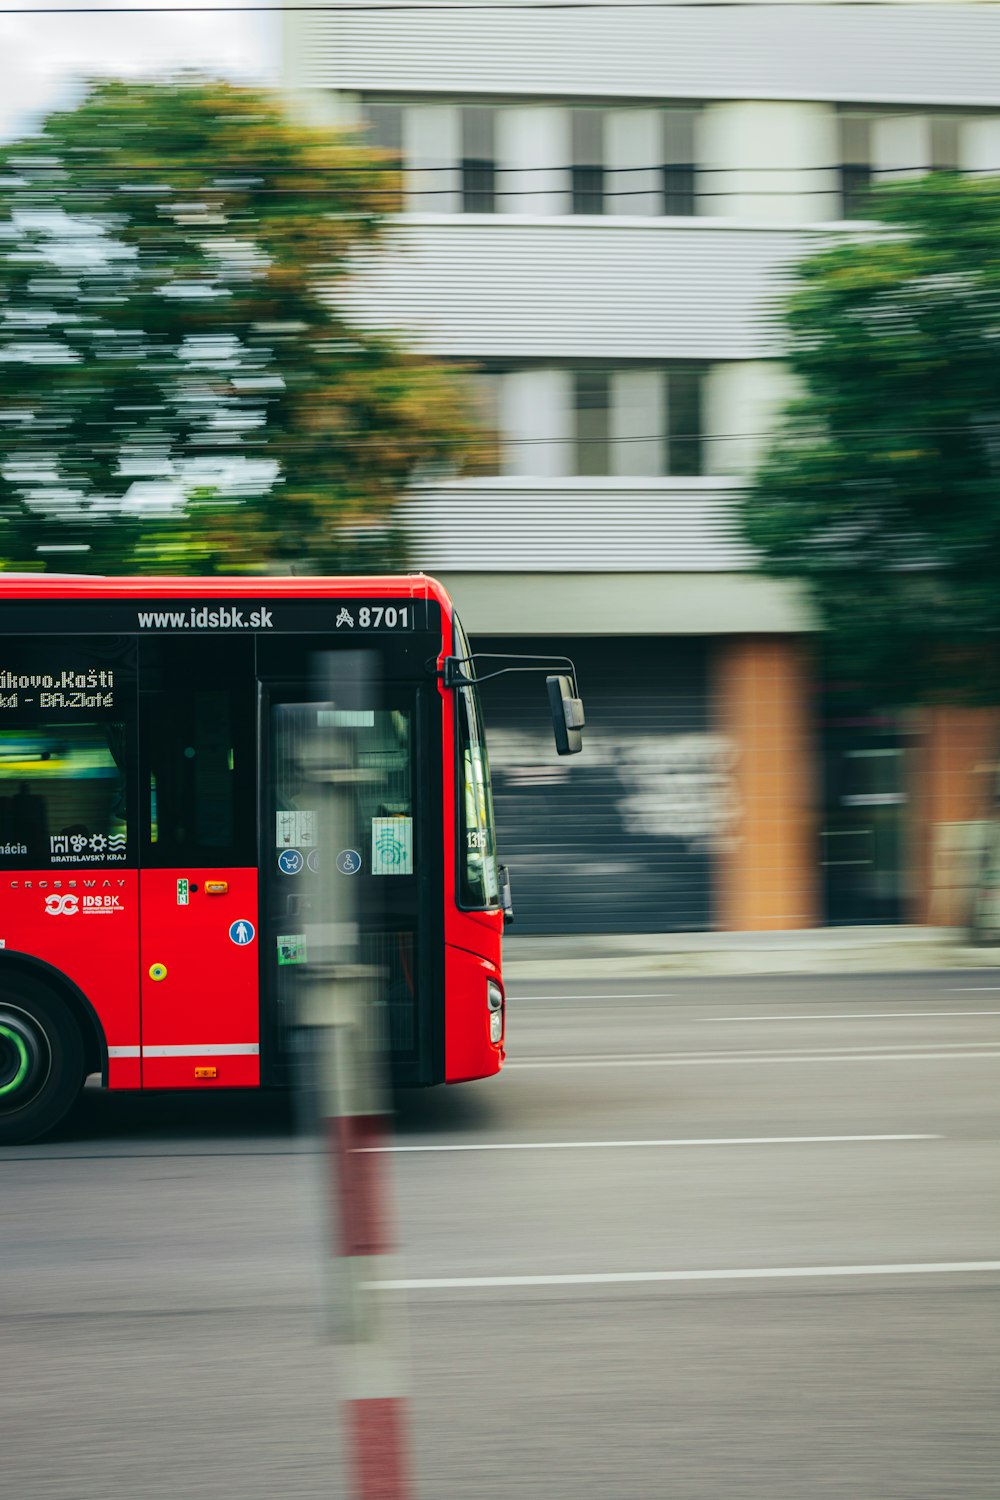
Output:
[[290, 861], [348, 861], [241, 933]]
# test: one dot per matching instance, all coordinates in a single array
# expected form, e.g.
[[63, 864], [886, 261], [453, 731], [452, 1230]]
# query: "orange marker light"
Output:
[[216, 887], [206, 1072]]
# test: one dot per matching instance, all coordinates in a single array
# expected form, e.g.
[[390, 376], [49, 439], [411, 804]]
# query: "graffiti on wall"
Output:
[[680, 785]]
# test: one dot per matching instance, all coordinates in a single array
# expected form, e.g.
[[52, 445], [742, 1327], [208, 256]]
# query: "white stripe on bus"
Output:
[[205, 1049]]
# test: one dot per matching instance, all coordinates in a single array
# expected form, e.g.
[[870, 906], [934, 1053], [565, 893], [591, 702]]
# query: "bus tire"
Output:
[[41, 1062]]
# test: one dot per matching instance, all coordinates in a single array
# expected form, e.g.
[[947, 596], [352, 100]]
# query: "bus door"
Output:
[[391, 855], [198, 966]]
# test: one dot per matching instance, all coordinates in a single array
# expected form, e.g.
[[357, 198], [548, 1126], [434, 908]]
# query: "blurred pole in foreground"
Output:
[[340, 1013]]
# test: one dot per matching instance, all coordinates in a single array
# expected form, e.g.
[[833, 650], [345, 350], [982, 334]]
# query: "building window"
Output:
[[631, 421], [479, 168], [592, 407], [895, 146], [944, 143], [678, 162], [618, 430], [856, 164], [539, 157], [587, 170], [483, 457], [384, 124], [684, 420]]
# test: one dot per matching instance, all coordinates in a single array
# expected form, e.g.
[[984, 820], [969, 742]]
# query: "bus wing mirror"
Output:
[[567, 715], [506, 900]]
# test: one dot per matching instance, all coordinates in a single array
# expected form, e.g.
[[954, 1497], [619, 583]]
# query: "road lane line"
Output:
[[803, 1051], [754, 1273], [737, 1140], [755, 1059], [662, 995], [858, 1015]]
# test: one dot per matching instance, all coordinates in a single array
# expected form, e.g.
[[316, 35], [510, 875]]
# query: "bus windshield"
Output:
[[479, 885]]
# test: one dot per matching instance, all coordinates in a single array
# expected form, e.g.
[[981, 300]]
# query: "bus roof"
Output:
[[91, 586]]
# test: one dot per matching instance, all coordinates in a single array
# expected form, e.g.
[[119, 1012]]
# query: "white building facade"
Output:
[[602, 203]]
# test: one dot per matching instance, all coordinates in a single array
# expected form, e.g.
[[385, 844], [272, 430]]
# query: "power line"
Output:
[[252, 179], [250, 169], [260, 439]]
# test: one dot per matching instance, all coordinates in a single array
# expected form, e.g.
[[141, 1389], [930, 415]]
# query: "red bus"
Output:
[[154, 825]]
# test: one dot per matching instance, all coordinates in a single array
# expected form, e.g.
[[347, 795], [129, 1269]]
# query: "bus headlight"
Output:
[[494, 999]]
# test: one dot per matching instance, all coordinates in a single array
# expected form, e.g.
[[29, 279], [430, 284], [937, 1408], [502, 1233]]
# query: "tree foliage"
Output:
[[881, 489], [178, 392]]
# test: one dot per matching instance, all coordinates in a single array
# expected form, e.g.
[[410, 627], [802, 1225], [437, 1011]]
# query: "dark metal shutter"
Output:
[[617, 839]]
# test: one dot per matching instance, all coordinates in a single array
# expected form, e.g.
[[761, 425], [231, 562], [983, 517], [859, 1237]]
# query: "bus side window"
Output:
[[67, 753], [198, 753]]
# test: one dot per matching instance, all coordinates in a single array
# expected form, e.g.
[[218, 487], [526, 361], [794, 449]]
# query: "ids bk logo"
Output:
[[62, 906]]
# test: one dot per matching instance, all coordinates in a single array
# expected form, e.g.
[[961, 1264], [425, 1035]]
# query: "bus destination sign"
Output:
[[62, 689]]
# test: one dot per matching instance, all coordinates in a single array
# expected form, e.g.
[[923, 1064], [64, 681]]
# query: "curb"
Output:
[[728, 954]]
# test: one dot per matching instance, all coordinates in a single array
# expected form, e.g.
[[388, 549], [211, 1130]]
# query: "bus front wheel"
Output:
[[41, 1064]]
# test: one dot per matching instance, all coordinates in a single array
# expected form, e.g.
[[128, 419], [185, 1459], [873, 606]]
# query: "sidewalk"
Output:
[[823, 950]]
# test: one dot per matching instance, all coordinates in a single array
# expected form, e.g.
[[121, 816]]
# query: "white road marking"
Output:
[[774, 1051], [974, 989], [987, 1051], [781, 1052], [662, 995], [755, 1273], [736, 1140], [858, 1015]]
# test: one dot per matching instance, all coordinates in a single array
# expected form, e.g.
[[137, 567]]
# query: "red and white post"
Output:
[[339, 1014], [366, 1322]]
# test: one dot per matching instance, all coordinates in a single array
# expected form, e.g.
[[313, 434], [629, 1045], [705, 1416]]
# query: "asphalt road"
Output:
[[713, 1239]]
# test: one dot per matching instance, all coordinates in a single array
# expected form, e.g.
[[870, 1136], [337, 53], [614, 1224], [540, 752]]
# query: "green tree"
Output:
[[179, 392], [881, 490]]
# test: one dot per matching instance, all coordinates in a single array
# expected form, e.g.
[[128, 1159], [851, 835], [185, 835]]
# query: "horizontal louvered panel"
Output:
[[570, 526], [878, 53], [622, 837], [569, 289]]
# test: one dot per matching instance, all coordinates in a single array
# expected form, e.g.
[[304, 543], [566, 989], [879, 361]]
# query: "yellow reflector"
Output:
[[216, 887], [206, 1072]]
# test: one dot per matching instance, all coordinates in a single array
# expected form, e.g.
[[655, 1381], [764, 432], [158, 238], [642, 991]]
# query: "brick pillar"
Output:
[[767, 868], [954, 784]]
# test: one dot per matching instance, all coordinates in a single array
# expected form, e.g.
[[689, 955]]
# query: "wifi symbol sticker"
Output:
[[392, 846]]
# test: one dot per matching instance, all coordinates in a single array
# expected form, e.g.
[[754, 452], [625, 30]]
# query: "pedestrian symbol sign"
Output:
[[242, 932]]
